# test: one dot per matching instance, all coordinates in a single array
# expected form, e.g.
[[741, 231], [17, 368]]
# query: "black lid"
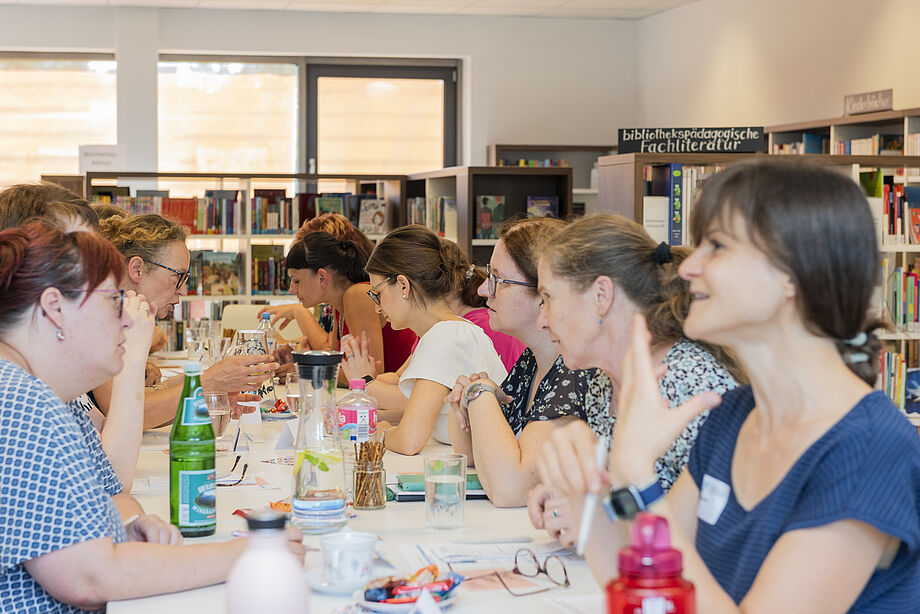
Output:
[[265, 520], [318, 358]]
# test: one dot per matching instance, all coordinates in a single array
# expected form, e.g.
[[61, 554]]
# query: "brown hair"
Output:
[[105, 210], [38, 256], [339, 227], [416, 252], [524, 239], [145, 236], [814, 224], [470, 277], [45, 201]]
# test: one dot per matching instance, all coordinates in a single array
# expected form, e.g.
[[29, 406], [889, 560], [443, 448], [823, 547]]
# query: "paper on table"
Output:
[[253, 418], [287, 436], [149, 486], [478, 556], [579, 604]]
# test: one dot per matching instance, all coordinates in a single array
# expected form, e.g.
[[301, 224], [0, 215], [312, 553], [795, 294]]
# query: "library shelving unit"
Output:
[[582, 159], [904, 123], [622, 191], [515, 183], [390, 187]]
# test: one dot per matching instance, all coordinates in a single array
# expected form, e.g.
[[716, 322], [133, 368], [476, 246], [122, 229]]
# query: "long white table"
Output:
[[398, 525]]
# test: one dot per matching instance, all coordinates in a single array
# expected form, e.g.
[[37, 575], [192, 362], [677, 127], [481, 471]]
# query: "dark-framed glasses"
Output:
[[527, 564], [495, 280], [183, 275], [374, 293], [117, 298]]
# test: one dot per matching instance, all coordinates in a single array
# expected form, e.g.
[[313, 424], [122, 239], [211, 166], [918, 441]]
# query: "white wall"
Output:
[[525, 80], [763, 62]]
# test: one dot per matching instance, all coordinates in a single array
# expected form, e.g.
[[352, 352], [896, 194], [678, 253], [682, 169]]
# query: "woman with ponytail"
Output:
[[65, 547], [413, 274], [802, 493]]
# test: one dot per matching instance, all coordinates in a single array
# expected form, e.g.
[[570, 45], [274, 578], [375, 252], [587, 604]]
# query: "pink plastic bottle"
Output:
[[650, 580]]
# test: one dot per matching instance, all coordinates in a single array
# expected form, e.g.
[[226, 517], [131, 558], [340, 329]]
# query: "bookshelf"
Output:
[[391, 188], [622, 181], [515, 183]]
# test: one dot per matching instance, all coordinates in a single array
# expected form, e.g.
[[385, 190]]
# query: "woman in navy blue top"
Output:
[[803, 489]]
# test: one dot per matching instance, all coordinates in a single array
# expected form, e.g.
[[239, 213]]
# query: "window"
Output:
[[49, 106], [227, 116], [381, 119]]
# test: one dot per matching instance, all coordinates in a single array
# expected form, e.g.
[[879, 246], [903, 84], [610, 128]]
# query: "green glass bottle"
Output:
[[192, 485]]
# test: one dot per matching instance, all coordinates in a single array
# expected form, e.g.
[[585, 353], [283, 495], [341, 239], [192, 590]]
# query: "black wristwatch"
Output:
[[368, 379], [625, 503]]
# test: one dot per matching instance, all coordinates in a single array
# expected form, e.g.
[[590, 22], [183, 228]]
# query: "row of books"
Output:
[[269, 271], [491, 212], [670, 193], [875, 145], [439, 213], [899, 376], [811, 143], [895, 207], [540, 162], [900, 294], [209, 215]]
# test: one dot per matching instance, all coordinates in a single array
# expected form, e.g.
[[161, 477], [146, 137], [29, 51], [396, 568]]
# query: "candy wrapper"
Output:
[[392, 589]]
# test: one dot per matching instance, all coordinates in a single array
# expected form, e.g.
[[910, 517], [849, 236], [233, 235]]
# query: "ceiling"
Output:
[[578, 9]]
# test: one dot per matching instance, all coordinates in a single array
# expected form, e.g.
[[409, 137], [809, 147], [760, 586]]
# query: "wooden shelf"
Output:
[[483, 242], [896, 249]]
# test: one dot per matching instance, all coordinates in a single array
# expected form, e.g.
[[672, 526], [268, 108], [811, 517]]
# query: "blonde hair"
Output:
[[144, 236]]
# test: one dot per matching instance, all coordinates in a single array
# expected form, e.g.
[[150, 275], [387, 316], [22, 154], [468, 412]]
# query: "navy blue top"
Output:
[[866, 467]]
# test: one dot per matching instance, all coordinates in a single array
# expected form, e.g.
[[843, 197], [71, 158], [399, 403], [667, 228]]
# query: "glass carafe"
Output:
[[318, 500], [250, 343]]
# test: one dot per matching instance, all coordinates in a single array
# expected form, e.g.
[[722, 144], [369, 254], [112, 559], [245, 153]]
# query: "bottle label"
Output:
[[357, 423], [197, 498], [194, 409]]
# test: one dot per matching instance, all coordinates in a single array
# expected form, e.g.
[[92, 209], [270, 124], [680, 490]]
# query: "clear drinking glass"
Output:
[[219, 409], [194, 342], [292, 393], [250, 343], [445, 490]]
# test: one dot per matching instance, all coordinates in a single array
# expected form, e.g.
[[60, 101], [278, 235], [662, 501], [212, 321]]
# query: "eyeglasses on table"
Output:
[[527, 564]]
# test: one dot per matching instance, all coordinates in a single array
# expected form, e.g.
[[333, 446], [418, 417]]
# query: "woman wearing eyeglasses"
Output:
[[157, 262], [501, 428], [62, 331], [412, 276]]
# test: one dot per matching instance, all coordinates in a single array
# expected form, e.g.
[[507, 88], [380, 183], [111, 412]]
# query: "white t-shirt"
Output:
[[450, 349]]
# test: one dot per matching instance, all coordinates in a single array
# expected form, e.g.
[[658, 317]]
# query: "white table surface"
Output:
[[399, 523]]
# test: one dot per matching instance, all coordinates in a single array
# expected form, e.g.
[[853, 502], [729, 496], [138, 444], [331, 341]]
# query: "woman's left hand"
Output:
[[646, 427], [357, 360], [152, 374], [153, 530]]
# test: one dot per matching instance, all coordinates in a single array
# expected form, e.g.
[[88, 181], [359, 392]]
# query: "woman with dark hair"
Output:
[[412, 275], [65, 547], [502, 432], [324, 269], [593, 278], [803, 489]]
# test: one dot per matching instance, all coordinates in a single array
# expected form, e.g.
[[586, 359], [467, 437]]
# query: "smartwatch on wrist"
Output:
[[625, 503], [475, 389], [368, 379]]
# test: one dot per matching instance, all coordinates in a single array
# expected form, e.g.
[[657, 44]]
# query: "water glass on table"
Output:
[[219, 409], [445, 490], [292, 393]]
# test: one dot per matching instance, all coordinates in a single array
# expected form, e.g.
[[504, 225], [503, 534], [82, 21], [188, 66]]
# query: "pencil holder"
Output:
[[369, 477]]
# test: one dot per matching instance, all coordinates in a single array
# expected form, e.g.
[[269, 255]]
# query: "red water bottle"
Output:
[[650, 580]]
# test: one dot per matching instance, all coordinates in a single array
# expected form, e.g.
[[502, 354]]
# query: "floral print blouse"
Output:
[[691, 370]]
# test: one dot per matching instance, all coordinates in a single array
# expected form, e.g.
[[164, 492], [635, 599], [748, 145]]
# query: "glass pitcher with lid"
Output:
[[318, 499]]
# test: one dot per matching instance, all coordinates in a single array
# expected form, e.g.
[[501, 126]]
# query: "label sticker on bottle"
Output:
[[357, 423], [194, 409], [713, 499], [197, 498]]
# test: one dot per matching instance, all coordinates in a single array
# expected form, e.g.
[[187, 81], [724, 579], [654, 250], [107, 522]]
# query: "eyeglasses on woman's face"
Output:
[[374, 293], [118, 297], [182, 275], [494, 281]]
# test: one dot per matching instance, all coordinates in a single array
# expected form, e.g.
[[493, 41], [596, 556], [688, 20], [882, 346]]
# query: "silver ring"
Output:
[[350, 356], [555, 513]]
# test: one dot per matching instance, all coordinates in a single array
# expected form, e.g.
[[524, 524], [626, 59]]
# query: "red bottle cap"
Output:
[[357, 383], [650, 553]]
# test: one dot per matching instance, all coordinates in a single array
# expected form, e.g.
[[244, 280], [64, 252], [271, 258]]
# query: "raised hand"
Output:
[[236, 373]]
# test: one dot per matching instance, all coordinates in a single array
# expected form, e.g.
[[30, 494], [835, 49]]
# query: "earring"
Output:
[[59, 334], [600, 321], [405, 296]]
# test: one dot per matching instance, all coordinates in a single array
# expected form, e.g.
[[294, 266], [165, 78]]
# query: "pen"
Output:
[[587, 513]]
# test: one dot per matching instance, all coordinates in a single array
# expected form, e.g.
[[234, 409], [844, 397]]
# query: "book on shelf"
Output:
[[448, 207], [668, 180], [373, 218], [811, 143], [330, 203], [490, 213], [220, 273], [353, 206], [543, 206], [415, 210], [305, 203], [269, 271], [912, 390], [655, 217], [875, 145]]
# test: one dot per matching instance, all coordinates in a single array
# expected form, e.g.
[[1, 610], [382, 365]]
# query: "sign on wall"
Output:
[[690, 140], [868, 102], [102, 158]]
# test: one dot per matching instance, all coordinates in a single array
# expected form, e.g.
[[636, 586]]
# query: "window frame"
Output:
[[447, 71]]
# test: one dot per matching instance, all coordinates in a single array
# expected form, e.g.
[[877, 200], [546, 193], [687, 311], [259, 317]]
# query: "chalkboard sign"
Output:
[[690, 140]]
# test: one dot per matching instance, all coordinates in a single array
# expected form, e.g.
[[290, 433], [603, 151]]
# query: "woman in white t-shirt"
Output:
[[412, 274]]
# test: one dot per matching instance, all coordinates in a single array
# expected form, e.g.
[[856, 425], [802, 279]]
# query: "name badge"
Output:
[[713, 499]]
